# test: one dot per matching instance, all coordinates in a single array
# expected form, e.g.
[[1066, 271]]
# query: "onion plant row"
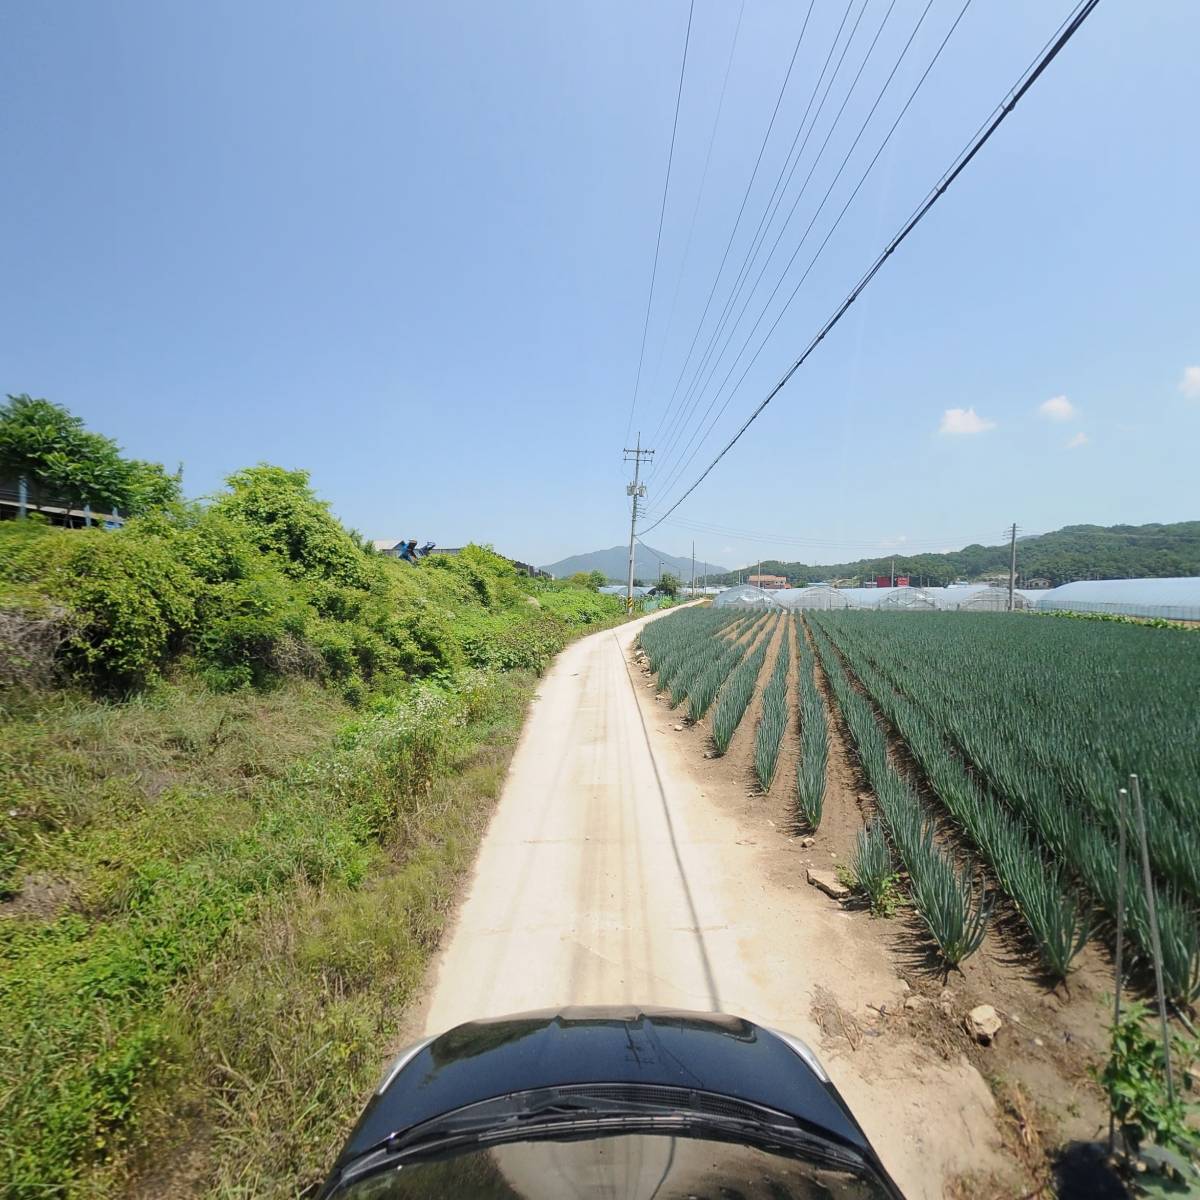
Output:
[[954, 905], [773, 720], [1076, 706], [735, 697], [814, 739], [673, 643], [973, 720], [1047, 902], [692, 652], [710, 677]]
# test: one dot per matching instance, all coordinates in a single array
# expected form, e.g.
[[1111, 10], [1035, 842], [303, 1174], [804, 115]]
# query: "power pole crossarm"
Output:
[[637, 490]]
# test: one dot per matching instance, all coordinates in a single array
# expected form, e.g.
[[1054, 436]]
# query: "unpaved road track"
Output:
[[606, 877]]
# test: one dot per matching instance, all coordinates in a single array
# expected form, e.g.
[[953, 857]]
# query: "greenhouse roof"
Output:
[[1174, 598], [1185, 590], [745, 595]]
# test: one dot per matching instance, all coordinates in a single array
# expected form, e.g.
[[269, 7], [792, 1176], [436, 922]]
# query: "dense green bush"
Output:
[[577, 606], [287, 521], [265, 583], [134, 601]]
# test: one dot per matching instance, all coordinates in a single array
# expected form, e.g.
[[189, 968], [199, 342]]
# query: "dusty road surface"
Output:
[[607, 877]]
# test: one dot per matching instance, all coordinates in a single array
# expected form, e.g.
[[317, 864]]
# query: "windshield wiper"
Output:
[[559, 1115]]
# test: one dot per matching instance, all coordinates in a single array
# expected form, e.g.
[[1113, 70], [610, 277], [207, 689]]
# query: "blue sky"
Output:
[[408, 247]]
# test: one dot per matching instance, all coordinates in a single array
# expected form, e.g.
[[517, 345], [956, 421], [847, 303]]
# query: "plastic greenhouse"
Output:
[[819, 597], [1174, 599], [980, 597], [745, 595], [910, 599], [620, 589], [991, 599]]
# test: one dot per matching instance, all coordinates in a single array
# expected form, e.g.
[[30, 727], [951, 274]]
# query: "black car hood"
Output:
[[646, 1047], [632, 1166]]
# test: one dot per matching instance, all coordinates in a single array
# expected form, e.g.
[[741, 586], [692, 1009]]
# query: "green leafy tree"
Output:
[[148, 487], [62, 460], [286, 520], [589, 579], [669, 584]]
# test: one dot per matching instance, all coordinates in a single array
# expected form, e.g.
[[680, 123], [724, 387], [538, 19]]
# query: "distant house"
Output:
[[1038, 584], [388, 546], [770, 583]]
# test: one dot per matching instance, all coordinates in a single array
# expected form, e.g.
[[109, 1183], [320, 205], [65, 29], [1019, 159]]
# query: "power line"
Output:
[[768, 215], [683, 465], [1080, 14], [661, 214], [712, 137], [742, 208]]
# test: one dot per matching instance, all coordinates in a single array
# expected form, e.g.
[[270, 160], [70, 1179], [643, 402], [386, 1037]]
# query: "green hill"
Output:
[[1073, 552]]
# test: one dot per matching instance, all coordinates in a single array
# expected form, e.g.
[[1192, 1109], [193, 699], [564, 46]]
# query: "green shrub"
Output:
[[1135, 1079], [578, 606], [133, 603], [264, 583], [286, 520]]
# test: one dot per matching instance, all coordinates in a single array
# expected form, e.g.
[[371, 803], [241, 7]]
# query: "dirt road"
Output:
[[607, 876]]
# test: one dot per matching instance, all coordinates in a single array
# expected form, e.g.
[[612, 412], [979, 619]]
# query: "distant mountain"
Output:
[[1073, 552], [614, 562]]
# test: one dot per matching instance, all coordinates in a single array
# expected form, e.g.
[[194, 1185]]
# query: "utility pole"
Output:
[[1012, 566], [693, 596], [893, 572], [637, 490]]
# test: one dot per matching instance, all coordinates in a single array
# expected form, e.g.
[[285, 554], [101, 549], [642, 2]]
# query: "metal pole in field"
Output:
[[1155, 944], [22, 495], [693, 569], [1012, 566], [1122, 811], [637, 490]]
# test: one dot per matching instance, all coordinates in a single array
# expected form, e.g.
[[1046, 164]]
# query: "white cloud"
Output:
[[1080, 439], [1189, 385], [1058, 408], [964, 420]]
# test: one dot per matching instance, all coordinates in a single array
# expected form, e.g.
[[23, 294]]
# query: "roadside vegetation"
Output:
[[245, 761]]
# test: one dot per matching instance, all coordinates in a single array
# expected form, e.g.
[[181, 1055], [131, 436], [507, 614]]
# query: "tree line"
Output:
[[1073, 552]]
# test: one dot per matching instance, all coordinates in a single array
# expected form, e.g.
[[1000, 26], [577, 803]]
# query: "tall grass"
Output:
[[193, 855]]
